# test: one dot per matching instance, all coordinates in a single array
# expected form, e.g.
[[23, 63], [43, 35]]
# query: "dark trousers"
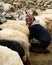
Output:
[[40, 33]]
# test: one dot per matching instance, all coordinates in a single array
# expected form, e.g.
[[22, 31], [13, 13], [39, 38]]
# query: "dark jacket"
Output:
[[40, 33]]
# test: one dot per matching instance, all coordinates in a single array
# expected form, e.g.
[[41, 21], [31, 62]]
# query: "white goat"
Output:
[[44, 19], [10, 34], [11, 24], [6, 6], [9, 57]]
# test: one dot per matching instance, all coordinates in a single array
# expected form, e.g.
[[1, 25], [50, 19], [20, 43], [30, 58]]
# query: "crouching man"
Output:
[[38, 32]]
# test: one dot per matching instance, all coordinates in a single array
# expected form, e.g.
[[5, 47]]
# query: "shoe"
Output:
[[45, 51], [39, 50]]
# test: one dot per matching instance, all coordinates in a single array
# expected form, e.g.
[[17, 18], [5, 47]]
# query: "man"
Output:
[[10, 13], [2, 18], [38, 32]]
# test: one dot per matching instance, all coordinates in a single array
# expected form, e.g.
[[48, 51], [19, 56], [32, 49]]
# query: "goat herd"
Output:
[[14, 42]]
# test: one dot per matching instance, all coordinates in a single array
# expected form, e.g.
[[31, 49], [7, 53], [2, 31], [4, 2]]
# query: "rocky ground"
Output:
[[37, 4], [42, 59]]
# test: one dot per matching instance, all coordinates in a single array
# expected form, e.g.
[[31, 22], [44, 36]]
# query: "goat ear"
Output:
[[48, 20]]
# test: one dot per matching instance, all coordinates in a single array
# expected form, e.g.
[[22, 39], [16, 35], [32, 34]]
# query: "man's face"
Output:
[[29, 21], [12, 9], [1, 10]]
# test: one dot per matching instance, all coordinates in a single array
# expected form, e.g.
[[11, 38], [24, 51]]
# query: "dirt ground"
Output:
[[42, 59]]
